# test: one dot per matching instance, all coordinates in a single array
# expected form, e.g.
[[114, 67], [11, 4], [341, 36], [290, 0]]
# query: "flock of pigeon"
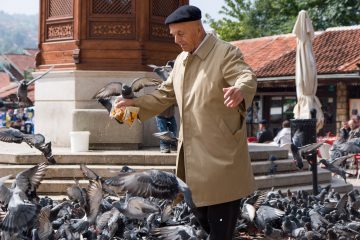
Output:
[[340, 152], [155, 204]]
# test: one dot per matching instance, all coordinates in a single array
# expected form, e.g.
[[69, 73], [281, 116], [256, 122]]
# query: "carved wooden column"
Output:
[[91, 43]]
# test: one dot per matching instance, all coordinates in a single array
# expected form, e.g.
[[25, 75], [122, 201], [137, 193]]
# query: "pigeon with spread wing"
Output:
[[107, 95], [21, 212], [163, 71], [166, 136], [153, 183], [12, 135], [22, 91]]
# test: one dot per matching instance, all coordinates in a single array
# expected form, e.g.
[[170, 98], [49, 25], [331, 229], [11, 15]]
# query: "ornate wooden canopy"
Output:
[[122, 35]]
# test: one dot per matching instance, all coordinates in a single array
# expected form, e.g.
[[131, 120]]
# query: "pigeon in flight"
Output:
[[163, 71], [21, 212], [334, 169], [22, 91], [12, 135], [166, 136], [300, 153], [110, 92]]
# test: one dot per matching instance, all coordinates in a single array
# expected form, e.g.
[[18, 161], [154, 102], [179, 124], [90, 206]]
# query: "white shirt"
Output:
[[283, 137]]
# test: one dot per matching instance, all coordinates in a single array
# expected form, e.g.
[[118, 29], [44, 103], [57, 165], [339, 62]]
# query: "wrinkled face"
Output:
[[188, 35]]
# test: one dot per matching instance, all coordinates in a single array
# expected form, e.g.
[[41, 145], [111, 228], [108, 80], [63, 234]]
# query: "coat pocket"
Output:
[[231, 137]]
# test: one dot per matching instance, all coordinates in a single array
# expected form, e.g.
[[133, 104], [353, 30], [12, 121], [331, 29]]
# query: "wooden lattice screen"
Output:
[[159, 10], [59, 21], [60, 8], [114, 7], [163, 8]]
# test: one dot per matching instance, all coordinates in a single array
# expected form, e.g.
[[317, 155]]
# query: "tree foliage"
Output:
[[256, 18]]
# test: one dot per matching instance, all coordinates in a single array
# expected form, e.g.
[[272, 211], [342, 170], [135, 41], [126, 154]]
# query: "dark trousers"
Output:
[[219, 220]]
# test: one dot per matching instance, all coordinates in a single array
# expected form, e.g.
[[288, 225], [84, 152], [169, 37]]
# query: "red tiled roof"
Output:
[[4, 79], [260, 51], [31, 51], [336, 51], [21, 61]]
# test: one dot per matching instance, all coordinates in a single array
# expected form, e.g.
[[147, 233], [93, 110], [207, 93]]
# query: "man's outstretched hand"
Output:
[[232, 97], [123, 102]]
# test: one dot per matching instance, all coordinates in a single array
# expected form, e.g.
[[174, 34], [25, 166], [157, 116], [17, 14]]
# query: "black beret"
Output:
[[184, 13]]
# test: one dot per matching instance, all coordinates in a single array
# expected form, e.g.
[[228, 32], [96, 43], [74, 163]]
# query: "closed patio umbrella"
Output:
[[305, 72]]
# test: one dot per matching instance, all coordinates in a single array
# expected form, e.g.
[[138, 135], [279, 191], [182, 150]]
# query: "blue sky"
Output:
[[32, 6]]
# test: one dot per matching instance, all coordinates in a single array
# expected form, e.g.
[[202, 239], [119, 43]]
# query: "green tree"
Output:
[[256, 18]]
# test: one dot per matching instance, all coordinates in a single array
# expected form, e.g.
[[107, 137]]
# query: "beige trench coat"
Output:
[[213, 156]]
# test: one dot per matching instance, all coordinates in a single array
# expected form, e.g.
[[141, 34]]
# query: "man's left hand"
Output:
[[233, 97]]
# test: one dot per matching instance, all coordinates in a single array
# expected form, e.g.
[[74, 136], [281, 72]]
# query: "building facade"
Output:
[[338, 71]]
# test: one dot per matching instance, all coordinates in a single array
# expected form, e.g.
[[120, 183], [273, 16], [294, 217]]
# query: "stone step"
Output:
[[283, 165], [96, 157], [291, 179], [58, 186], [337, 184], [70, 171], [140, 157], [261, 151]]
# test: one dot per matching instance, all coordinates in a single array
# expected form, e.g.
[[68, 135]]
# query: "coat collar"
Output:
[[205, 48]]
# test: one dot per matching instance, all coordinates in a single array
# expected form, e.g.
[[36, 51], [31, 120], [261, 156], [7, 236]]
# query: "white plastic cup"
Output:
[[79, 141]]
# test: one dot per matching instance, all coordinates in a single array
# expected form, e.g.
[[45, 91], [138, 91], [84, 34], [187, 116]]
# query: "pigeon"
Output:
[[22, 91], [95, 196], [166, 136], [340, 161], [90, 174], [272, 233], [154, 183], [334, 169], [299, 153], [21, 212], [126, 91], [180, 232], [103, 219], [77, 194], [12, 135], [136, 208], [45, 229], [108, 95], [163, 71]]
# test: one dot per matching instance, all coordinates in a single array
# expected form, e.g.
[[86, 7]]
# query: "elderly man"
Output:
[[213, 87], [355, 130]]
